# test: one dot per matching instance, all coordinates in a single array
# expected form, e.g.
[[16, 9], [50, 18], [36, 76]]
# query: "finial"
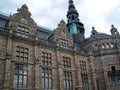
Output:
[[62, 21], [112, 26], [93, 32], [114, 30], [10, 15], [25, 6], [93, 28], [70, 1]]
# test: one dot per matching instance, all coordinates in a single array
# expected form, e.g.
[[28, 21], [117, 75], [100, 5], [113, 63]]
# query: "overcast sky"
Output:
[[98, 13]]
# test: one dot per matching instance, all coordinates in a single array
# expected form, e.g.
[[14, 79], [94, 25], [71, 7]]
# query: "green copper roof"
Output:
[[73, 28]]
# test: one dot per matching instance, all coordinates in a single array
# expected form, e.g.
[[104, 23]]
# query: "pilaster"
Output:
[[7, 76], [60, 71], [91, 74], [37, 69], [78, 84]]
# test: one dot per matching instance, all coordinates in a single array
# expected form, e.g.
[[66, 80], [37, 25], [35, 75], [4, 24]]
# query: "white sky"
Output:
[[98, 13]]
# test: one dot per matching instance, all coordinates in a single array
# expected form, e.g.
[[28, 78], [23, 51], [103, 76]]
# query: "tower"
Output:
[[75, 27]]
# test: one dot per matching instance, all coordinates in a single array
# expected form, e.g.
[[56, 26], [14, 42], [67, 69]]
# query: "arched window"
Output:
[[111, 45], [113, 68], [107, 45], [103, 46], [23, 19]]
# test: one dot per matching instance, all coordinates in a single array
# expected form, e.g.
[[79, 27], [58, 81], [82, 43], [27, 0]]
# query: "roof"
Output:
[[97, 36], [43, 32], [44, 29], [4, 16], [102, 35]]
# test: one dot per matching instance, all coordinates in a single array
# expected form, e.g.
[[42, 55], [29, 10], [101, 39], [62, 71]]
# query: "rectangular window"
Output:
[[46, 70], [46, 78], [46, 59], [68, 80], [22, 54], [22, 31], [63, 43], [66, 62], [20, 76], [115, 79], [85, 85], [83, 66]]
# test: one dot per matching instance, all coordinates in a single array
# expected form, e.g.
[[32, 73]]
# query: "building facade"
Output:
[[33, 57]]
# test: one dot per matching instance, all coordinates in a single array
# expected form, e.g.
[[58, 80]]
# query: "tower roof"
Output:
[[71, 8], [71, 4], [75, 27]]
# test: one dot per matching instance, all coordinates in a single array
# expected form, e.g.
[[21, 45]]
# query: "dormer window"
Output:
[[22, 31]]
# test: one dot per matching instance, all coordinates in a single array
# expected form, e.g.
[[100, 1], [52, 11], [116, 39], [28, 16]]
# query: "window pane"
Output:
[[118, 79], [50, 75], [20, 85], [46, 82], [43, 83], [42, 74], [22, 31], [25, 59], [16, 71], [15, 77], [20, 78], [64, 84], [15, 83], [25, 67], [25, 79], [47, 78], [24, 84], [113, 80], [20, 72], [50, 82]]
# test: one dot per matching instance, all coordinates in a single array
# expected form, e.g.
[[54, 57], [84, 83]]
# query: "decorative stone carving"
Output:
[[93, 32], [114, 30]]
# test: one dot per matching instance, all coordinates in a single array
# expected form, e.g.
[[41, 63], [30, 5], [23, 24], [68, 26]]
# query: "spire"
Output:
[[71, 4], [75, 27], [72, 10]]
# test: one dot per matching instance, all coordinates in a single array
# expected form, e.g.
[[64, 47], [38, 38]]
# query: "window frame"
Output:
[[21, 71]]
